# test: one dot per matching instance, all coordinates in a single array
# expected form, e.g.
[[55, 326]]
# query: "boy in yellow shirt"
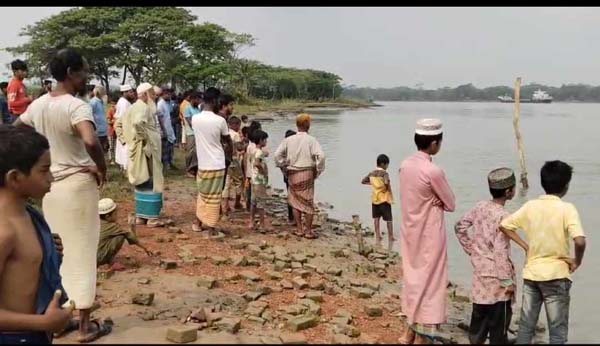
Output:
[[381, 198], [548, 223]]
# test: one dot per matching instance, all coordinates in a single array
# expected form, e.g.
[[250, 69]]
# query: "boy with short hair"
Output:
[[18, 101], [31, 292], [260, 180], [234, 176], [381, 198], [112, 236], [493, 272], [548, 223]]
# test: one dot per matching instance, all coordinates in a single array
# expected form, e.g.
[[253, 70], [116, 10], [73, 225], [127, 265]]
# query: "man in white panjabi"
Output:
[[128, 96]]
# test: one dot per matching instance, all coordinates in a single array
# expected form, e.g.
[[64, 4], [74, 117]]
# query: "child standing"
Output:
[[260, 180], [493, 272], [381, 198], [548, 223], [31, 292], [112, 236], [234, 177]]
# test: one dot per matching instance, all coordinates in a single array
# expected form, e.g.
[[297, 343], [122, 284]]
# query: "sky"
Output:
[[398, 46]]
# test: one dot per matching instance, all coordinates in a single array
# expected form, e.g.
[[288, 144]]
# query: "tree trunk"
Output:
[[124, 74]]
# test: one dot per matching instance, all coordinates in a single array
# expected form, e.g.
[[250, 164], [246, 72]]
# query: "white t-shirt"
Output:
[[208, 129], [56, 117]]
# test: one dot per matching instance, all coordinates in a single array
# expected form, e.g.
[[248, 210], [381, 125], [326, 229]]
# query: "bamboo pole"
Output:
[[516, 124]]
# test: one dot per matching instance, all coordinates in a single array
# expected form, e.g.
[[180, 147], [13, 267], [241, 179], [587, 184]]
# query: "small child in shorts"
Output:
[[381, 199]]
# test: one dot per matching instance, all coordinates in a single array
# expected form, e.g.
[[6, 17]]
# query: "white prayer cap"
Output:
[[157, 90], [125, 87], [106, 205], [142, 88], [429, 127]]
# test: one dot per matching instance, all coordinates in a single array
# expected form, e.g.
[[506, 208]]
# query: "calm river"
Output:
[[478, 137]]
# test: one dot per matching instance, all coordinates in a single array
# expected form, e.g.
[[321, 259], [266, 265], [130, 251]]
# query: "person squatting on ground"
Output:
[[112, 236]]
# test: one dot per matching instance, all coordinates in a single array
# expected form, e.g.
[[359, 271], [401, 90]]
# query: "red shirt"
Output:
[[17, 97]]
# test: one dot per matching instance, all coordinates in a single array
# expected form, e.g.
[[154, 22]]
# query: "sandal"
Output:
[[103, 329], [298, 234], [72, 326], [311, 235], [155, 223]]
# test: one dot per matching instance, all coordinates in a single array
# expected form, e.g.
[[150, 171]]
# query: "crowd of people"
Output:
[[56, 149]]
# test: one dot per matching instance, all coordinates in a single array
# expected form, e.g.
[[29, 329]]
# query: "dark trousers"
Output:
[[24, 338], [248, 196], [554, 294], [290, 209], [490, 320]]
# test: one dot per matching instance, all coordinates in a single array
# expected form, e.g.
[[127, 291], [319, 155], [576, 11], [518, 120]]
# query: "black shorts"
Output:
[[383, 210]]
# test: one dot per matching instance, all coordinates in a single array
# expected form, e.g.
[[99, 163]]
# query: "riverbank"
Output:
[[248, 287], [262, 108]]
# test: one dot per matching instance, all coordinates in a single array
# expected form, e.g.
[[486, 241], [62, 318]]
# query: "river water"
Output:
[[478, 137]]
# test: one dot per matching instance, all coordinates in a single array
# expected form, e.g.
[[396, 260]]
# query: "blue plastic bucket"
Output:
[[148, 204]]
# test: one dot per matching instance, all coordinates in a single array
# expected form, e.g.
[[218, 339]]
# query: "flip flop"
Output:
[[103, 330], [311, 235], [72, 326], [298, 234], [155, 224]]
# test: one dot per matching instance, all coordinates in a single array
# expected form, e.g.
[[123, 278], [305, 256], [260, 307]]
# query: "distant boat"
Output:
[[539, 96]]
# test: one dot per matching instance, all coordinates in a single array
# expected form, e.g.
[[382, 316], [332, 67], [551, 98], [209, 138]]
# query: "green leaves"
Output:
[[166, 45]]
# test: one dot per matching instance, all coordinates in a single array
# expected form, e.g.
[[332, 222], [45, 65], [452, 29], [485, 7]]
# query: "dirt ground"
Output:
[[330, 265]]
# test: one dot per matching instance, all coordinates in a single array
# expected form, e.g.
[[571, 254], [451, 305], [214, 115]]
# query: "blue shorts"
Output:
[[24, 338]]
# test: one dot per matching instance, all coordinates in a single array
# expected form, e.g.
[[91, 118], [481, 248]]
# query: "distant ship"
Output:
[[539, 96]]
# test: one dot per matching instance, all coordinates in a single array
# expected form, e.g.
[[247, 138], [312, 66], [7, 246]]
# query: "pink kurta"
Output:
[[423, 239]]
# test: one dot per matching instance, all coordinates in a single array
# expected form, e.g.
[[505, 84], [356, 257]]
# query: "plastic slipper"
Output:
[[102, 330], [311, 235], [72, 326]]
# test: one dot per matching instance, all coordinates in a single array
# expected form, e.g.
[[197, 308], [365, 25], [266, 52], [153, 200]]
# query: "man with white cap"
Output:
[[144, 169], [127, 97], [424, 197]]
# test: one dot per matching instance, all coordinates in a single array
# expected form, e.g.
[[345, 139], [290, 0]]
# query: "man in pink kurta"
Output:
[[424, 197]]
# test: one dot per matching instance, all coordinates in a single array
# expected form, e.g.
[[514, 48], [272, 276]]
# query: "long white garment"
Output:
[[121, 153], [71, 209]]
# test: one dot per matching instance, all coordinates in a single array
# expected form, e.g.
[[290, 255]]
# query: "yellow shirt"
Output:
[[549, 224], [379, 181]]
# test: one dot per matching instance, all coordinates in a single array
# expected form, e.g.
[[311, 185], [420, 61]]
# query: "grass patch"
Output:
[[119, 189]]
